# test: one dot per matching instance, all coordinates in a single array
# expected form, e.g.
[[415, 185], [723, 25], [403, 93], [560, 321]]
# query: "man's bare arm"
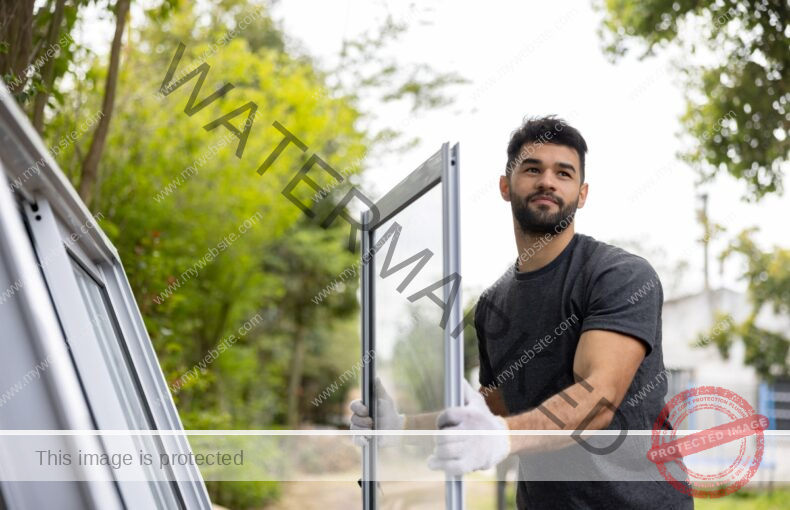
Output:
[[606, 363], [495, 400], [427, 421]]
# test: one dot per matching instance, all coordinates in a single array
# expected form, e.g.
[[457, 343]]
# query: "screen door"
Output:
[[411, 302]]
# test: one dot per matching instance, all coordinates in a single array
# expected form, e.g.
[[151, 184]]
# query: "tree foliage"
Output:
[[277, 267], [768, 275], [273, 267], [171, 190], [736, 65]]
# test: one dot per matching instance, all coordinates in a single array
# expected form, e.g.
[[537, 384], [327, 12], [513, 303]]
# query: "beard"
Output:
[[538, 219]]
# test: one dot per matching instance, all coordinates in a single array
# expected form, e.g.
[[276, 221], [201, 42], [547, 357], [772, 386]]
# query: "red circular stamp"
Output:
[[741, 422]]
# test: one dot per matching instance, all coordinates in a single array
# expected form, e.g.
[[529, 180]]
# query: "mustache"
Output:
[[543, 194]]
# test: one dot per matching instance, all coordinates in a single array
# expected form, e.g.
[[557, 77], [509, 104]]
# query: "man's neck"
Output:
[[538, 250]]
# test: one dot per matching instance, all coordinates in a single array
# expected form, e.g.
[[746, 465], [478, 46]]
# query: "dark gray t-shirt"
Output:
[[528, 327]]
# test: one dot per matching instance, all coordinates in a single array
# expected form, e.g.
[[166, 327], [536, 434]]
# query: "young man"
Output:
[[565, 336]]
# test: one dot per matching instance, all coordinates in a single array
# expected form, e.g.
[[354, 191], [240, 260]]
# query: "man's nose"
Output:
[[546, 181]]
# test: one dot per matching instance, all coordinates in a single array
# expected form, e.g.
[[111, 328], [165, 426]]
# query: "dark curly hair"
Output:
[[549, 129]]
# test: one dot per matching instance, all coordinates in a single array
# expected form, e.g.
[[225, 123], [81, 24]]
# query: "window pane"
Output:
[[780, 400], [410, 350], [110, 345], [123, 380]]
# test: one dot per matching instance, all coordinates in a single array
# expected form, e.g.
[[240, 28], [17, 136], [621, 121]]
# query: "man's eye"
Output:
[[565, 174], [532, 169]]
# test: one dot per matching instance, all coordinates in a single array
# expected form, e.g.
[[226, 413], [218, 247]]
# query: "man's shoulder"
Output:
[[494, 296], [595, 258], [604, 258]]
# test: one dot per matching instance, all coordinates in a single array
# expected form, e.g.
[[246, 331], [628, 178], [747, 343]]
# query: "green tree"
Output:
[[162, 238], [736, 66], [37, 49], [36, 46], [768, 275], [171, 191], [264, 273], [306, 259]]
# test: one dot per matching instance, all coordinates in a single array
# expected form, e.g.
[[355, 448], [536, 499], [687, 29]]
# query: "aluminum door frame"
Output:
[[441, 169], [22, 149], [31, 332]]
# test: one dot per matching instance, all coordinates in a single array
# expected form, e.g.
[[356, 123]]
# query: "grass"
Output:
[[748, 500], [776, 499]]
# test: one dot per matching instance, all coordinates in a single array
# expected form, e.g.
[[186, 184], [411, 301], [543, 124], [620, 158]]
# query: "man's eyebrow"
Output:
[[567, 166], [536, 161]]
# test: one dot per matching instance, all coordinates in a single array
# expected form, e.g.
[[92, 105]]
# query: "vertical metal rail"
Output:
[[368, 369], [453, 347]]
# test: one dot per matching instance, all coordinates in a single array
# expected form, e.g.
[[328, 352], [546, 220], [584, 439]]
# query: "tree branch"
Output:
[[90, 167], [48, 70]]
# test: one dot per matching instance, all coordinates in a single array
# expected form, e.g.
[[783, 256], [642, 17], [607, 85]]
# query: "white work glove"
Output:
[[388, 418], [458, 455]]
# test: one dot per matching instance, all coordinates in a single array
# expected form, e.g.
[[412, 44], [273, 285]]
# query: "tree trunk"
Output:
[[222, 321], [90, 167], [16, 30], [48, 70], [295, 381]]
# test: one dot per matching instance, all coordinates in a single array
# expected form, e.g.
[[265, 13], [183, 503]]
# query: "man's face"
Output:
[[544, 189]]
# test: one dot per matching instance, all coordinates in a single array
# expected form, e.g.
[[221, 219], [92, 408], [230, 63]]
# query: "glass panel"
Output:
[[110, 345], [410, 352], [780, 397], [123, 380]]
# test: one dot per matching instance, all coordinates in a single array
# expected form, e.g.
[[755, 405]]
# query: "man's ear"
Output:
[[504, 188], [583, 194]]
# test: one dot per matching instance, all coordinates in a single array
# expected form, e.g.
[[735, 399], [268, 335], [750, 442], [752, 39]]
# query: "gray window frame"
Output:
[[39, 218], [441, 169]]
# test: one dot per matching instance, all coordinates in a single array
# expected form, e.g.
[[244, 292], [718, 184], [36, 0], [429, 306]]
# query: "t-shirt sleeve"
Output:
[[626, 296], [486, 372]]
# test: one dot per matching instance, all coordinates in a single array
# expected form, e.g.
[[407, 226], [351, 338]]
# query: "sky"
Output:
[[535, 58]]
